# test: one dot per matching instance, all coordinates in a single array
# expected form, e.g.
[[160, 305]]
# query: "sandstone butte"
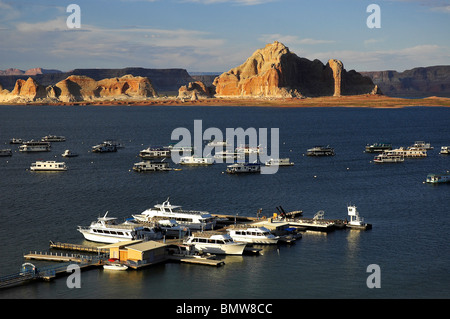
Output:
[[274, 71], [76, 88]]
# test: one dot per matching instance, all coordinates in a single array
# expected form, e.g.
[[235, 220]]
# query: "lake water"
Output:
[[409, 240]]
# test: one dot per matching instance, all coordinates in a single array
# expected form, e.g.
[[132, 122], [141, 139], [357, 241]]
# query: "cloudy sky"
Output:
[[216, 35]]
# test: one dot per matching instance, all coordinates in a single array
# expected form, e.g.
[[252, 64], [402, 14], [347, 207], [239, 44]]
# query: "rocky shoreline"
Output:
[[367, 100]]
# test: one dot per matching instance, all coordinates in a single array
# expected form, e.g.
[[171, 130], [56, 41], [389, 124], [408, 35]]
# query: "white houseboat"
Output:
[[48, 166], [445, 150], [35, 146], [192, 160], [106, 230], [155, 152], [438, 178], [104, 148], [320, 151], [247, 149], [215, 243], [194, 220], [407, 152], [279, 162], [378, 147], [6, 152], [53, 138], [239, 168], [148, 166], [386, 158], [253, 235], [422, 145]]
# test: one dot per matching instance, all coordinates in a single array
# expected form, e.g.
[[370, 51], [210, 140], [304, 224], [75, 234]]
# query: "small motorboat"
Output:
[[68, 153], [115, 266]]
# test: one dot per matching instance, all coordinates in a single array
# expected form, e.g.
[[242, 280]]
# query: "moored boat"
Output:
[[378, 147], [115, 266], [438, 178], [407, 152], [53, 138], [192, 160], [239, 168], [5, 152], [35, 146], [107, 230], [356, 221], [422, 145], [253, 235], [155, 152], [104, 148], [320, 151], [386, 158], [445, 150], [68, 153], [215, 243], [16, 141], [148, 166], [48, 166], [194, 220], [279, 162]]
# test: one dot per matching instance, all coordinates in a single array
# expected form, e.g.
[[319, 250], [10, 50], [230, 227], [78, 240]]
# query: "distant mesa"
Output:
[[194, 91], [274, 71]]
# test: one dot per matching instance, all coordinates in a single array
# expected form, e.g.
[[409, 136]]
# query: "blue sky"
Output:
[[217, 35]]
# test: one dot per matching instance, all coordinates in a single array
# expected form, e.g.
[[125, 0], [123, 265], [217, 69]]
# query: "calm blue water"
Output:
[[409, 239]]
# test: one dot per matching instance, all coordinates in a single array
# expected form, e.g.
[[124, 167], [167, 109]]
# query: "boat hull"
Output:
[[221, 249]]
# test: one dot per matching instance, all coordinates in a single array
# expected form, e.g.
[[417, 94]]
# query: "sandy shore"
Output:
[[328, 101]]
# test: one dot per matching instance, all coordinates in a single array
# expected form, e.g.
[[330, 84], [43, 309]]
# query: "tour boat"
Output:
[[48, 166], [104, 148], [194, 220], [35, 146], [385, 158], [279, 162], [438, 178], [356, 222], [106, 230], [147, 166], [407, 152], [320, 151], [68, 153], [239, 168], [53, 138], [155, 152], [6, 152], [378, 147], [445, 150], [253, 235], [215, 243], [192, 160]]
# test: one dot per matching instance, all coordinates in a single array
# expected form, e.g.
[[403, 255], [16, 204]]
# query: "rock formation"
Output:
[[194, 91], [78, 88], [274, 71]]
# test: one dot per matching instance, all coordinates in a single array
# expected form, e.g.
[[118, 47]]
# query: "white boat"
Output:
[[48, 166], [239, 168], [68, 153], [246, 149], [215, 143], [115, 266], [320, 151], [194, 220], [422, 145], [215, 243], [356, 221], [192, 160], [106, 230], [386, 158], [407, 152], [16, 141], [438, 178], [445, 150], [155, 152], [147, 166], [279, 162], [253, 235], [35, 146], [6, 152], [104, 148], [53, 138], [228, 155], [115, 143]]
